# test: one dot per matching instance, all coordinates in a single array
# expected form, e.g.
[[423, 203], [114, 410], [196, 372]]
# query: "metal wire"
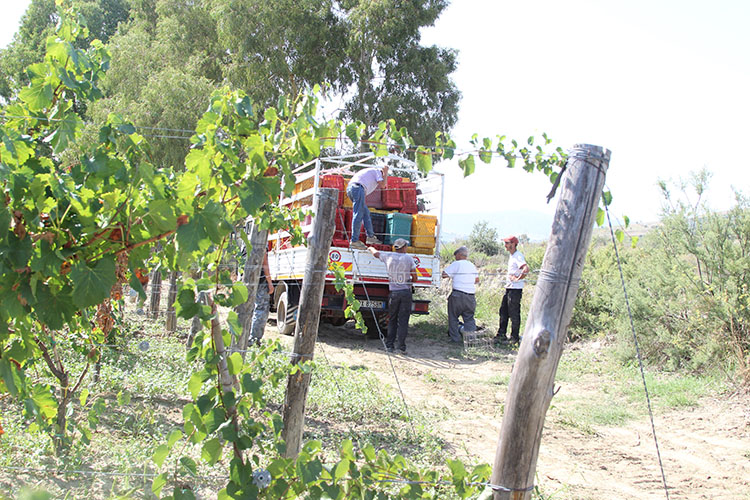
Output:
[[638, 353]]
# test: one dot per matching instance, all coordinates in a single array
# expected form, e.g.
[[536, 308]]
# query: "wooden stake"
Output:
[[306, 332], [171, 325], [531, 384], [253, 265], [153, 308]]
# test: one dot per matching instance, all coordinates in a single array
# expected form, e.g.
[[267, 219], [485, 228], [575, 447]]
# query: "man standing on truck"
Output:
[[510, 308], [402, 272], [363, 183], [461, 301]]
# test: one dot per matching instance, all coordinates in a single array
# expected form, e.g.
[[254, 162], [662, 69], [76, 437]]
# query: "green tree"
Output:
[[484, 238], [167, 59], [38, 22]]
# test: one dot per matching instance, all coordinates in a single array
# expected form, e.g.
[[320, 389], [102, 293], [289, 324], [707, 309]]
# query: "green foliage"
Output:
[[484, 238], [82, 212]]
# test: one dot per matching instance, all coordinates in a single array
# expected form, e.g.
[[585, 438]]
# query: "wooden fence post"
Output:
[[306, 332], [253, 264], [153, 308], [531, 384], [171, 324]]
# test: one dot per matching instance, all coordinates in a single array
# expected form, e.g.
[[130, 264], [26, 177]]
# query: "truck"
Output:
[[410, 206]]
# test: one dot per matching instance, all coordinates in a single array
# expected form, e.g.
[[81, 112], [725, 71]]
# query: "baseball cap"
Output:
[[400, 243], [511, 239]]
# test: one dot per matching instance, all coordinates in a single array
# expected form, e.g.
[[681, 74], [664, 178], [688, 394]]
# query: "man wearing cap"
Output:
[[402, 272], [461, 301], [363, 183], [511, 305]]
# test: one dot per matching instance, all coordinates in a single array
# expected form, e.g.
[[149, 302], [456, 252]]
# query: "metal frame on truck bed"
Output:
[[287, 263]]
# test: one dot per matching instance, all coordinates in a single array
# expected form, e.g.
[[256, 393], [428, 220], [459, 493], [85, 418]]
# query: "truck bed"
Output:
[[359, 265]]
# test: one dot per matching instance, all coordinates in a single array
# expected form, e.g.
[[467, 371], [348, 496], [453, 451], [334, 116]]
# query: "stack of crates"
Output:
[[340, 238], [409, 198], [391, 196], [423, 233], [393, 211], [335, 181]]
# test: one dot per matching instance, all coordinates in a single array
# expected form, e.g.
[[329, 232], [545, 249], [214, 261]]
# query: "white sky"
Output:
[[663, 84]]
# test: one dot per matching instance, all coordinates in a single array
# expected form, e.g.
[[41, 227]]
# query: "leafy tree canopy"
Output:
[[30, 41]]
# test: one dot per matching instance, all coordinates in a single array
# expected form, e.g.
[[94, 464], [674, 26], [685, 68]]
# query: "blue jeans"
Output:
[[260, 314], [360, 212]]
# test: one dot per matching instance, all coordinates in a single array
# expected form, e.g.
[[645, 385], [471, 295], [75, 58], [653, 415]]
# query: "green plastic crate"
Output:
[[397, 226]]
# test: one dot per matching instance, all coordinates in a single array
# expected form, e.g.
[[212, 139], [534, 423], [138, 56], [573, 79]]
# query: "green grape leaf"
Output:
[[160, 454], [467, 165], [158, 483], [424, 159], [211, 452], [37, 96], [599, 217], [234, 363], [189, 465], [160, 214], [92, 285], [65, 132], [620, 235], [214, 419], [44, 401], [257, 192], [607, 198], [54, 308]]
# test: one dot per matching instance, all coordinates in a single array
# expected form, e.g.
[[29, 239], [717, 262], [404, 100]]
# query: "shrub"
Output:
[[484, 238]]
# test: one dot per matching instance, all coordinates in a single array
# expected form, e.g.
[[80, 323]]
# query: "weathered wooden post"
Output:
[[171, 324], [153, 308], [531, 384], [253, 263], [306, 332]]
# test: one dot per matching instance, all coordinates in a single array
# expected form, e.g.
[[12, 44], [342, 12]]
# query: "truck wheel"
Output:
[[338, 320], [372, 326], [286, 315]]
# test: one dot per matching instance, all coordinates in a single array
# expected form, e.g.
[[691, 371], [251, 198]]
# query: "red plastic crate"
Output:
[[409, 197], [375, 199], [340, 243], [334, 181], [392, 193], [341, 224]]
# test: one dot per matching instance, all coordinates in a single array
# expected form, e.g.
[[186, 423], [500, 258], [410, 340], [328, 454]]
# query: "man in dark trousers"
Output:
[[461, 301], [511, 305], [402, 273]]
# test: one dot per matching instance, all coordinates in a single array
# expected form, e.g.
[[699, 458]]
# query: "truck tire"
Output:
[[285, 315], [372, 326]]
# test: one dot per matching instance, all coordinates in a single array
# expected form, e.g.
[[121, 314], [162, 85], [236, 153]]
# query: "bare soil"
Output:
[[705, 449]]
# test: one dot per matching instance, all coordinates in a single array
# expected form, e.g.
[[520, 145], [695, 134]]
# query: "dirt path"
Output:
[[705, 450]]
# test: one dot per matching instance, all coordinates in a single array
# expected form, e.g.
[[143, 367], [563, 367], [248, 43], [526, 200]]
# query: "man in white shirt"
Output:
[[363, 183], [461, 301], [510, 308]]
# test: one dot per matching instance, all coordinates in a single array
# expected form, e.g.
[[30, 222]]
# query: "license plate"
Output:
[[372, 304]]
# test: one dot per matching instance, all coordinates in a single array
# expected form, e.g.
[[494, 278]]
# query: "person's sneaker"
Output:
[[373, 240], [402, 350], [358, 245], [389, 349]]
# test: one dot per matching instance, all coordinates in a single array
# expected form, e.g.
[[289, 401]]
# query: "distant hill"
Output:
[[536, 225]]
